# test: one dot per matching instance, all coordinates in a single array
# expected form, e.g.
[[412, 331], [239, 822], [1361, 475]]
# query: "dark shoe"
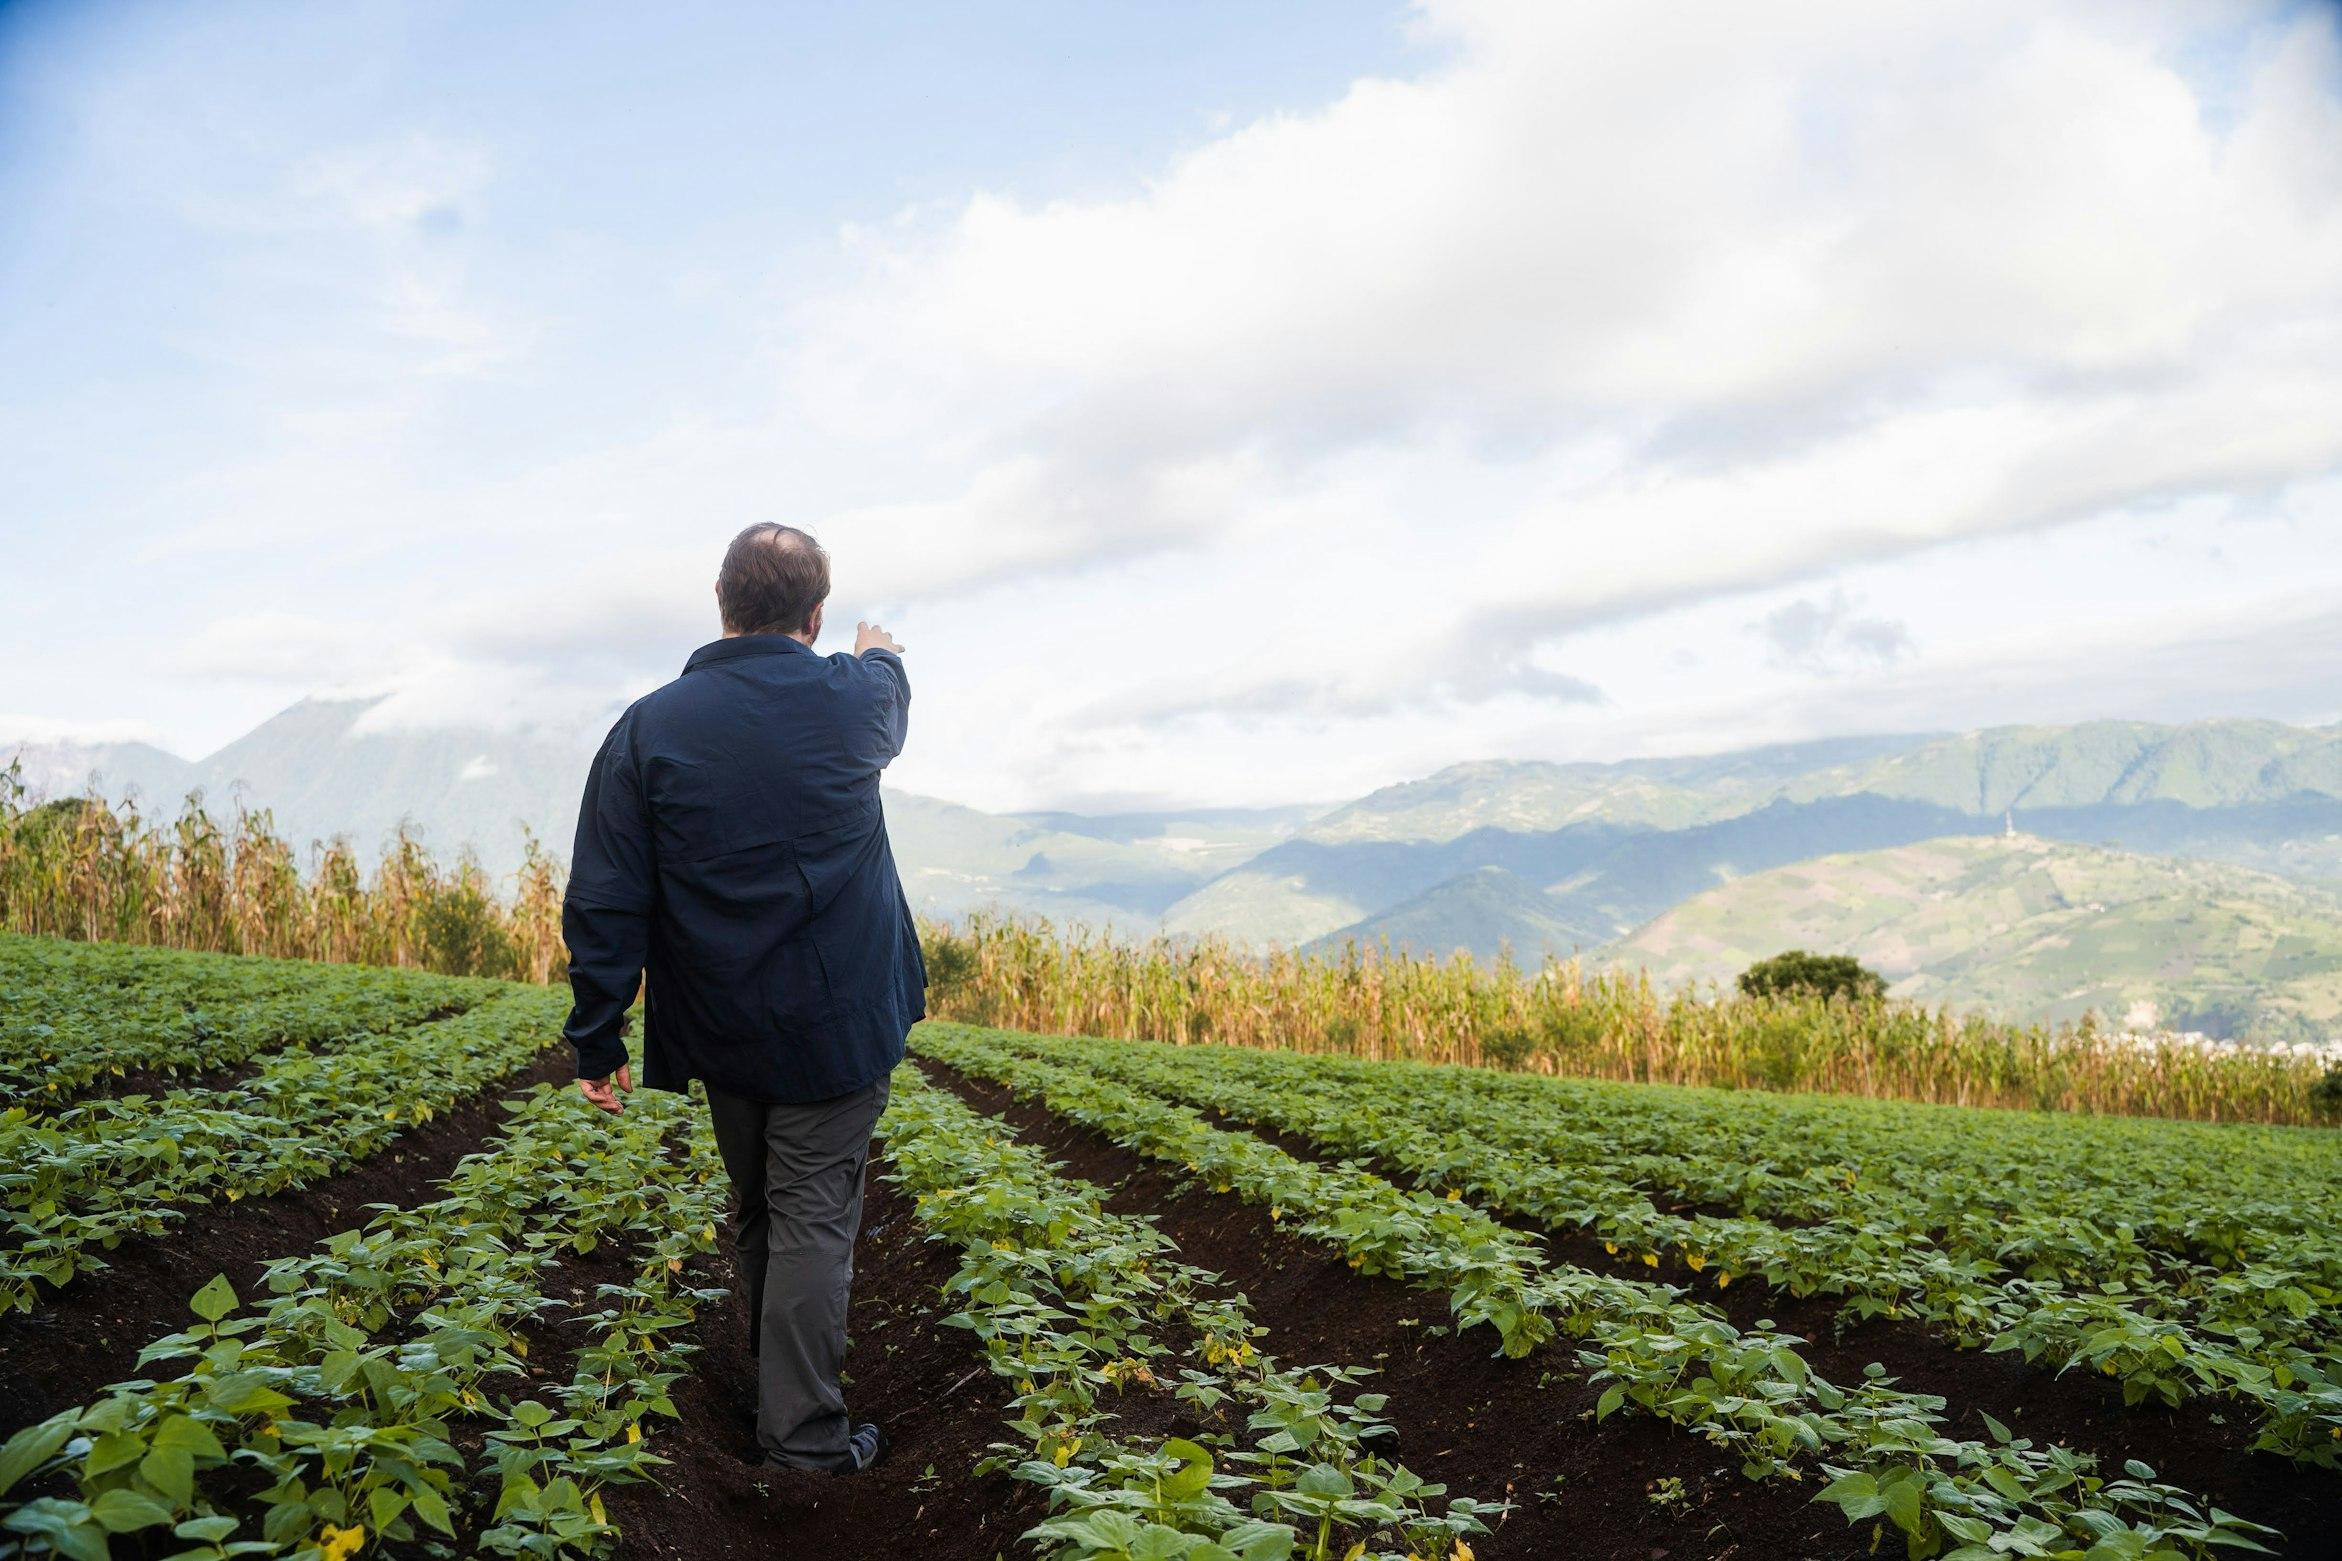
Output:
[[865, 1447]]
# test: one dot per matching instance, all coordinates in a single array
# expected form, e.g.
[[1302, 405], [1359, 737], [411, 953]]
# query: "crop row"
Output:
[[330, 1417], [77, 1183], [2218, 1194], [1082, 1312], [1749, 1391], [1521, 1162], [73, 1014]]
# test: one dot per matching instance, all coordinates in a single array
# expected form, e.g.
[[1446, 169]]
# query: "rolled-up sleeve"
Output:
[[606, 914], [887, 723]]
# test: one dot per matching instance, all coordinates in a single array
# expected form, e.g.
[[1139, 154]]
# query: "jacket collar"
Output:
[[746, 645]]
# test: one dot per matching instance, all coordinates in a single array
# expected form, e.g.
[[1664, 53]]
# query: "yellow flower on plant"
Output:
[[336, 1543], [1650, 1260], [1452, 1195], [633, 1433], [1722, 1279], [1463, 1550], [1066, 1448], [1697, 1262], [1610, 1247]]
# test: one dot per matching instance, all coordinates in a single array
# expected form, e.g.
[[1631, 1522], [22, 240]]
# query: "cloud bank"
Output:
[[1480, 410]]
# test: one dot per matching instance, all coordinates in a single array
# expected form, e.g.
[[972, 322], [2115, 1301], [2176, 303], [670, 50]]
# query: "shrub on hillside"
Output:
[[1800, 974], [2325, 1096]]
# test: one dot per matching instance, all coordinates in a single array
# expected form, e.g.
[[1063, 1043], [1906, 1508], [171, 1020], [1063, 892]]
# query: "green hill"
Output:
[[2031, 928], [1479, 912], [1619, 843]]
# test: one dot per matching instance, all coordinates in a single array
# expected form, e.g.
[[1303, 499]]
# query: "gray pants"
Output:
[[797, 1171]]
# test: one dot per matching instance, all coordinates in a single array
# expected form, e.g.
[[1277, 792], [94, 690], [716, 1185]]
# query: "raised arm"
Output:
[[606, 915], [890, 709]]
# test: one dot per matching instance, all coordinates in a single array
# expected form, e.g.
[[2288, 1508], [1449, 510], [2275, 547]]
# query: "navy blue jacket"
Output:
[[731, 846]]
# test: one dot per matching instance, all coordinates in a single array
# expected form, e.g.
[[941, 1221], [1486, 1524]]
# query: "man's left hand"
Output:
[[601, 1094]]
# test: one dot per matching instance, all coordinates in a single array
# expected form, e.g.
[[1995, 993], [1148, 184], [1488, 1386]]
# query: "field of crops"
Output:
[[314, 1260]]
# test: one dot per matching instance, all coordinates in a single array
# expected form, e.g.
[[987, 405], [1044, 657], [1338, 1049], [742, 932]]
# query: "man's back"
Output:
[[731, 844]]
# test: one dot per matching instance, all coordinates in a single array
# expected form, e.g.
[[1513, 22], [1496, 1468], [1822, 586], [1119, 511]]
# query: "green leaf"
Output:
[[215, 1300], [1902, 1504], [66, 1525], [170, 1470], [1194, 1473], [1612, 1396], [124, 1511], [384, 1505], [214, 1528], [1857, 1495], [33, 1446], [189, 1436], [431, 1507]]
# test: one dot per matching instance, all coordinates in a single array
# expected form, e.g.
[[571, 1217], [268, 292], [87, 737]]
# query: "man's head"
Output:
[[774, 581]]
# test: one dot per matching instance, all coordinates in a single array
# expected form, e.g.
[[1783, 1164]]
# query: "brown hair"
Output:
[[773, 577]]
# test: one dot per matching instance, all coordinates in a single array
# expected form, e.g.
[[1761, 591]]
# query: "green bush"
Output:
[[1506, 1046], [2325, 1096], [1799, 974], [951, 964]]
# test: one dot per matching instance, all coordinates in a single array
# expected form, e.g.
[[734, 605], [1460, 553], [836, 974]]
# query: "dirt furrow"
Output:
[[926, 1383], [2202, 1445], [83, 1338], [1634, 1487]]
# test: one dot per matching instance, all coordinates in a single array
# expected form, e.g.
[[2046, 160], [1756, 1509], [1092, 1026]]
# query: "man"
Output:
[[730, 844]]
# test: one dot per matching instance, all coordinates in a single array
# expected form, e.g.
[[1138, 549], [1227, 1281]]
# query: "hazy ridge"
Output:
[[1691, 865]]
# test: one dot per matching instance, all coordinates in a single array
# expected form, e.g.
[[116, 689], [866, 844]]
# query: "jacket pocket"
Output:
[[796, 985]]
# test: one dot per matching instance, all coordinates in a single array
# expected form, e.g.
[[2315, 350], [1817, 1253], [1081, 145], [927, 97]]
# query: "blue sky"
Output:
[[1226, 403]]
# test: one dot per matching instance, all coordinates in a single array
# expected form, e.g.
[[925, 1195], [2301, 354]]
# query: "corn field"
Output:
[[1560, 1019], [80, 869]]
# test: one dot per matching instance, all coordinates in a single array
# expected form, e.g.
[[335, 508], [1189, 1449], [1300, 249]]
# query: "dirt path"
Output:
[[926, 1383]]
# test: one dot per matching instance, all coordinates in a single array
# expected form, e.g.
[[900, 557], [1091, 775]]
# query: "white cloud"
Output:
[[1689, 306], [1476, 411], [66, 730], [1826, 635]]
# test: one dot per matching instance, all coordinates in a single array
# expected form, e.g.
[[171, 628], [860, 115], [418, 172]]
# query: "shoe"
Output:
[[865, 1447]]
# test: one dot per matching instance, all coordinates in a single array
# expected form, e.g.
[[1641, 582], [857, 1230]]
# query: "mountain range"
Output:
[[1618, 862]]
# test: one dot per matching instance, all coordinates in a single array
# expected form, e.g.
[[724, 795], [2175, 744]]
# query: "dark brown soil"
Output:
[[1494, 1428], [132, 1081], [925, 1383], [86, 1336], [2202, 1446]]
